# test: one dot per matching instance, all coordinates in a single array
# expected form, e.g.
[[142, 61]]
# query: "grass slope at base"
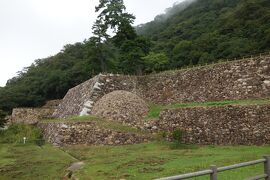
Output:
[[18, 161], [141, 161], [157, 159]]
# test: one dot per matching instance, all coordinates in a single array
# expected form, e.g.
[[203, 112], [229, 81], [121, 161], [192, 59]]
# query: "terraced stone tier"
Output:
[[242, 79], [223, 125], [90, 133]]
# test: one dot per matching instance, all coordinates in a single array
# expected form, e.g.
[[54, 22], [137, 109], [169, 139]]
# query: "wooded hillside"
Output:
[[190, 33]]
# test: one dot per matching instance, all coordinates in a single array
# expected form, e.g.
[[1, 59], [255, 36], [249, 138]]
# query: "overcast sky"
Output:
[[32, 29]]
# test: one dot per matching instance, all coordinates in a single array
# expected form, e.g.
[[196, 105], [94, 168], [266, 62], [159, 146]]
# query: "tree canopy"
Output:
[[204, 31]]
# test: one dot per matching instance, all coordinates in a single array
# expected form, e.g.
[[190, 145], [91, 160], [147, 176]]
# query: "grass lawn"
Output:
[[32, 162], [142, 161], [157, 159], [155, 109]]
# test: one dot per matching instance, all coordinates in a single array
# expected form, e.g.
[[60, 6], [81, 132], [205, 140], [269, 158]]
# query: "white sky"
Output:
[[32, 29]]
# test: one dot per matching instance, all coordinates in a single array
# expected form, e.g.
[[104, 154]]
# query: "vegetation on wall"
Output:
[[190, 33]]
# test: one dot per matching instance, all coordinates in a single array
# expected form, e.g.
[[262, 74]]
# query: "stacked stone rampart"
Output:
[[223, 125], [71, 133], [33, 115], [80, 99], [245, 79]]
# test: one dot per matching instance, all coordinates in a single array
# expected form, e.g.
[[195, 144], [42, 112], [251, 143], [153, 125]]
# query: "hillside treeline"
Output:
[[190, 33]]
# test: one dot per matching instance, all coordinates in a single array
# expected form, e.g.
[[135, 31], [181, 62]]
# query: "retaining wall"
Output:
[[225, 125], [86, 133], [33, 115], [30, 115], [245, 79]]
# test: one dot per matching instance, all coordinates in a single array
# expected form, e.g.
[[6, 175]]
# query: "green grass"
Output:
[[141, 161], [156, 109], [29, 161], [72, 119], [16, 132], [18, 161], [131, 162], [157, 159]]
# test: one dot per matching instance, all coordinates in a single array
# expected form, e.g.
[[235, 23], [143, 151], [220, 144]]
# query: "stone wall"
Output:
[[245, 79], [71, 133], [33, 115], [80, 99], [76, 98], [226, 125], [30, 115]]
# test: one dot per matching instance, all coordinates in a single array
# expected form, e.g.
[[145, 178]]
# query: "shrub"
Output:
[[177, 135], [15, 134], [2, 118], [177, 140], [162, 135]]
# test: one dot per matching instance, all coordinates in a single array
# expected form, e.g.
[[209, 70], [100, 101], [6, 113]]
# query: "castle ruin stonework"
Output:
[[243, 79], [236, 80]]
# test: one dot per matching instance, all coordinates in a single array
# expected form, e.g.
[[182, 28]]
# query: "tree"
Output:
[[132, 53], [112, 16], [180, 54], [156, 61]]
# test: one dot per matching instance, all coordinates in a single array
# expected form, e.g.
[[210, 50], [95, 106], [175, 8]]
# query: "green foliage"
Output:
[[161, 135], [154, 111], [155, 62], [177, 135], [203, 31], [112, 17], [190, 33], [181, 54], [2, 118], [132, 53], [15, 134], [52, 77]]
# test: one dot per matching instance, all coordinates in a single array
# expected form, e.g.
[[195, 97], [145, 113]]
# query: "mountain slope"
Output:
[[208, 30], [190, 33]]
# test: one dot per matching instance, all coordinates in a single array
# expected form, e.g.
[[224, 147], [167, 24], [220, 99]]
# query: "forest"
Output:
[[189, 33]]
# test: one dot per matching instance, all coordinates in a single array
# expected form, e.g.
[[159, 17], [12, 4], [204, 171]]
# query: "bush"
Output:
[[15, 134], [177, 135], [162, 135], [177, 140], [2, 118]]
